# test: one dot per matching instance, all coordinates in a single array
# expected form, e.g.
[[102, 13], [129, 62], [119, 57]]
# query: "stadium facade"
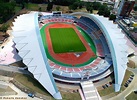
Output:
[[26, 32]]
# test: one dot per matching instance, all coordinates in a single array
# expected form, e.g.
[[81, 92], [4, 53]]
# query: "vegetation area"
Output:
[[43, 5], [132, 96], [110, 90], [106, 91], [8, 8], [34, 86]]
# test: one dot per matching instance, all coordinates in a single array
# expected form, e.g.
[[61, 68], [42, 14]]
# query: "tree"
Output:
[[73, 7], [96, 5], [80, 4], [21, 1], [50, 6], [88, 6], [39, 8], [36, 1], [107, 13], [6, 10], [100, 12], [58, 8], [135, 7], [4, 28], [104, 10], [112, 17], [91, 10], [65, 2]]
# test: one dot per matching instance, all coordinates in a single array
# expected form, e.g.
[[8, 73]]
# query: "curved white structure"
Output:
[[116, 44], [28, 42]]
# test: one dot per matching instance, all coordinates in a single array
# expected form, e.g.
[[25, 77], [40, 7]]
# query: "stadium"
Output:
[[71, 48]]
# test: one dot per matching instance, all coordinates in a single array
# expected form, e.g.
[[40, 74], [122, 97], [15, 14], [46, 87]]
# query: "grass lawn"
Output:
[[34, 86], [32, 6], [65, 40], [131, 96], [106, 91], [17, 9], [70, 96]]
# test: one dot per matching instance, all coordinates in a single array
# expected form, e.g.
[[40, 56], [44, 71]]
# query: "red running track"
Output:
[[68, 58]]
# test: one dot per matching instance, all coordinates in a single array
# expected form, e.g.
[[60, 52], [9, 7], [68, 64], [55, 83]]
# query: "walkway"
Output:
[[90, 91]]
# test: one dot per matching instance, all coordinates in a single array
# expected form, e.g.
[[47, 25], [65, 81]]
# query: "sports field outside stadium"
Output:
[[86, 37], [65, 40]]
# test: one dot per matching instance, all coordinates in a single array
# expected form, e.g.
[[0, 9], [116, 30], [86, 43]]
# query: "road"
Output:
[[13, 69]]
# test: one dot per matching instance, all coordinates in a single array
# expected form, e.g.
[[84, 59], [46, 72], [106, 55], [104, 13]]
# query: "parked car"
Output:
[[135, 92], [127, 82], [103, 87], [126, 85], [106, 85], [132, 75], [31, 95]]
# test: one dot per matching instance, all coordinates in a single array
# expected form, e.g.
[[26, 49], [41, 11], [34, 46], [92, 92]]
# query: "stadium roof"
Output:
[[116, 44], [29, 44]]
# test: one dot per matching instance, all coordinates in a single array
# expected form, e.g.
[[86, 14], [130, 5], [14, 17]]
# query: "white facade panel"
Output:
[[119, 54], [26, 36]]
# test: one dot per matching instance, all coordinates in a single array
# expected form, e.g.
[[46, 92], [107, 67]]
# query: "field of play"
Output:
[[65, 40]]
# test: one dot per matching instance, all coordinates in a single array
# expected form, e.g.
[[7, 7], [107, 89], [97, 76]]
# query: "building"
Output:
[[125, 8]]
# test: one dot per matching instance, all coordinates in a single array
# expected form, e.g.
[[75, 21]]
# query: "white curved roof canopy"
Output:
[[116, 43], [29, 44]]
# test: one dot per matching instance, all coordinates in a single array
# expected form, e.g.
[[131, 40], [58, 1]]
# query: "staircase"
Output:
[[89, 91]]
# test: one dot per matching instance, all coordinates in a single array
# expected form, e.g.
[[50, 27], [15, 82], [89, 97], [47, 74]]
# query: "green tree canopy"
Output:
[[50, 6], [89, 6], [135, 7], [96, 5], [112, 17], [4, 28], [65, 2], [58, 8], [104, 10], [6, 10]]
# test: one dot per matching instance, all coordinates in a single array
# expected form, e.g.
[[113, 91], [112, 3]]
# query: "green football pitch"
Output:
[[65, 40]]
